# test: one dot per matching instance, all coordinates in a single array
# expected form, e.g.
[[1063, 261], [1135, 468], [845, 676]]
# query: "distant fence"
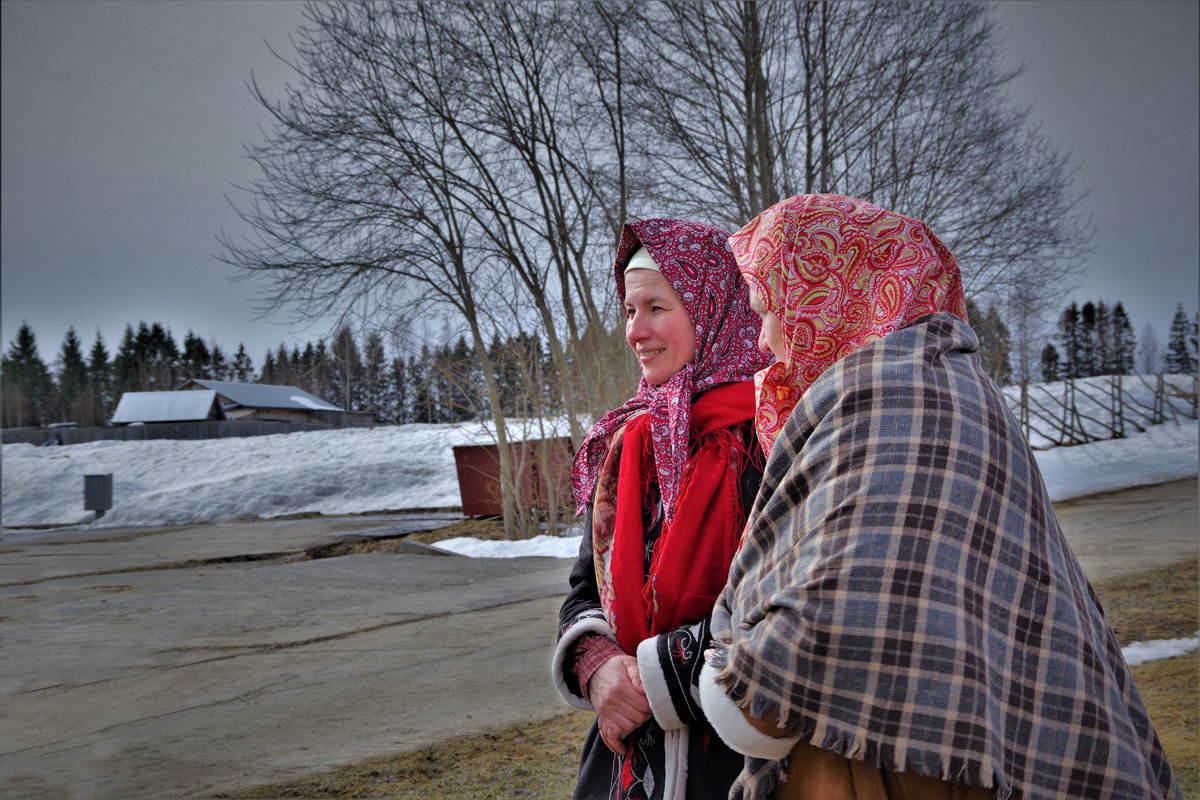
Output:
[[222, 429], [1085, 410]]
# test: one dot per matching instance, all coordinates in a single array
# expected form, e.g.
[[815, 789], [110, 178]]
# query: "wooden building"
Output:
[[265, 403], [207, 401]]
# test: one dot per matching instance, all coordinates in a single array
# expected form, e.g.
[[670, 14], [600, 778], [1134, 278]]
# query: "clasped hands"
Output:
[[617, 694]]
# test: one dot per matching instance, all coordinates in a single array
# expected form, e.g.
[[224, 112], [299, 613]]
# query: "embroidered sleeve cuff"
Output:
[[654, 681], [729, 721]]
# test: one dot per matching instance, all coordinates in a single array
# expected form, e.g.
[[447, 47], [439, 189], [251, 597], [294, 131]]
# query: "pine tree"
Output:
[[993, 343], [295, 367], [197, 360], [320, 376], [143, 349], [28, 389], [243, 367], [1069, 335], [498, 353], [1124, 341], [439, 381], [269, 373], [283, 367], [552, 397], [1087, 340], [422, 392], [306, 373], [99, 382], [72, 396], [374, 375], [126, 367], [1193, 340], [163, 355], [1181, 356], [345, 371], [1050, 363], [465, 383], [1103, 341], [219, 369], [396, 396]]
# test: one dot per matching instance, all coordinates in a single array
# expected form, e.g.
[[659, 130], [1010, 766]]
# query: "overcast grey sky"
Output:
[[124, 122]]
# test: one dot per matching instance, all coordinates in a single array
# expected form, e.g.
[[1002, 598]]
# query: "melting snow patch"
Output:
[[1141, 652]]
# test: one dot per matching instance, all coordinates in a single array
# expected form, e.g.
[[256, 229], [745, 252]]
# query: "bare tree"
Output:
[[435, 158], [1149, 356], [444, 159], [1028, 327], [899, 103]]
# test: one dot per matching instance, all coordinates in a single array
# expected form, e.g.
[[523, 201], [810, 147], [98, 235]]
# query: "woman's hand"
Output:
[[617, 694]]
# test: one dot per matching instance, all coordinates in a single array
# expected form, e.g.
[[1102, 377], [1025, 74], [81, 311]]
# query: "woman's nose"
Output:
[[763, 345], [635, 328]]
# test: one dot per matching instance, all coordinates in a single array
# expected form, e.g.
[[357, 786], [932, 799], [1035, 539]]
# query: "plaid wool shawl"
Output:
[[904, 595]]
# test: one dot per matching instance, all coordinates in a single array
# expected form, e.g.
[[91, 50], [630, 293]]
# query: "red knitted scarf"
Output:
[[690, 560]]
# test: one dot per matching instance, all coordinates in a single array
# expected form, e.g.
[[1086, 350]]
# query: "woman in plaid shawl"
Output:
[[665, 480], [904, 617]]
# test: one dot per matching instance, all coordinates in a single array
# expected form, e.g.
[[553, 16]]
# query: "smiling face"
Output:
[[770, 338], [657, 325]]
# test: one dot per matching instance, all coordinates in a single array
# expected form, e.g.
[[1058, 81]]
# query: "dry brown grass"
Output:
[[1157, 604], [1169, 689], [479, 528], [535, 761], [538, 760], [1164, 604]]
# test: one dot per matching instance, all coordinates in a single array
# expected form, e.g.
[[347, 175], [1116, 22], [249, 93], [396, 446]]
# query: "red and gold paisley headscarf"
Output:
[[838, 272]]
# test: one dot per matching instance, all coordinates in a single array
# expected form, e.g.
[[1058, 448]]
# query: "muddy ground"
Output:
[[183, 662]]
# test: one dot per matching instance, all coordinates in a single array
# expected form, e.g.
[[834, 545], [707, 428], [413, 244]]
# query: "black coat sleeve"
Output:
[[580, 614]]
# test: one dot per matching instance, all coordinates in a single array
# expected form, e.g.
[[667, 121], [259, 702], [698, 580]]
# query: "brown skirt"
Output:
[[817, 774]]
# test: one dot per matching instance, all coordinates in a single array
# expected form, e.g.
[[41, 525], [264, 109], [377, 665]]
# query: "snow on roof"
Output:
[[259, 395], [164, 406]]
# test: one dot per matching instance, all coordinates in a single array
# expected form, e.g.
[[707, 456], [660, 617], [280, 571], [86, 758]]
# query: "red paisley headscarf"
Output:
[[838, 272], [695, 259]]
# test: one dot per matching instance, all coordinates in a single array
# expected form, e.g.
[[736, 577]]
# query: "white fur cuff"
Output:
[[562, 652], [655, 684], [730, 723]]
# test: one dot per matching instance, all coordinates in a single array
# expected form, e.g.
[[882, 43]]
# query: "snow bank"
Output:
[[1167, 452], [1141, 652], [356, 470], [172, 482]]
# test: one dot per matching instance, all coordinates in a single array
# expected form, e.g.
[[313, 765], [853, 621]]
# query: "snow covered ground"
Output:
[[168, 482], [356, 470]]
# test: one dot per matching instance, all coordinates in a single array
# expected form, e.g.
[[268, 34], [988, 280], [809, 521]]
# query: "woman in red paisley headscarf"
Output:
[[665, 482], [904, 617]]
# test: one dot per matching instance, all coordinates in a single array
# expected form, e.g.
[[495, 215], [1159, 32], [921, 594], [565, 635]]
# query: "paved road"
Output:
[[241, 664]]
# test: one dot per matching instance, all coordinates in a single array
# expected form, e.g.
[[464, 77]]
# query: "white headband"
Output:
[[641, 260]]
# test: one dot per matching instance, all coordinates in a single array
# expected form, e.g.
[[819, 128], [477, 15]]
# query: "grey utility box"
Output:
[[97, 493]]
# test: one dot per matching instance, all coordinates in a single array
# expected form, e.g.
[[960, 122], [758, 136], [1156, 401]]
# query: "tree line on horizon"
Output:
[[437, 384], [443, 383]]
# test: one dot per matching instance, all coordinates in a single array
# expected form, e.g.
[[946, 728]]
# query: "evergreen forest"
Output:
[[443, 383]]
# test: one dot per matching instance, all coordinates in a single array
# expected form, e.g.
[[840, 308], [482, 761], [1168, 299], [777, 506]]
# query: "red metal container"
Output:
[[543, 468]]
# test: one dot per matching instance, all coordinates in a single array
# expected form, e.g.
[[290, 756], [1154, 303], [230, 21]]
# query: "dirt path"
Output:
[[1135, 529], [118, 680]]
